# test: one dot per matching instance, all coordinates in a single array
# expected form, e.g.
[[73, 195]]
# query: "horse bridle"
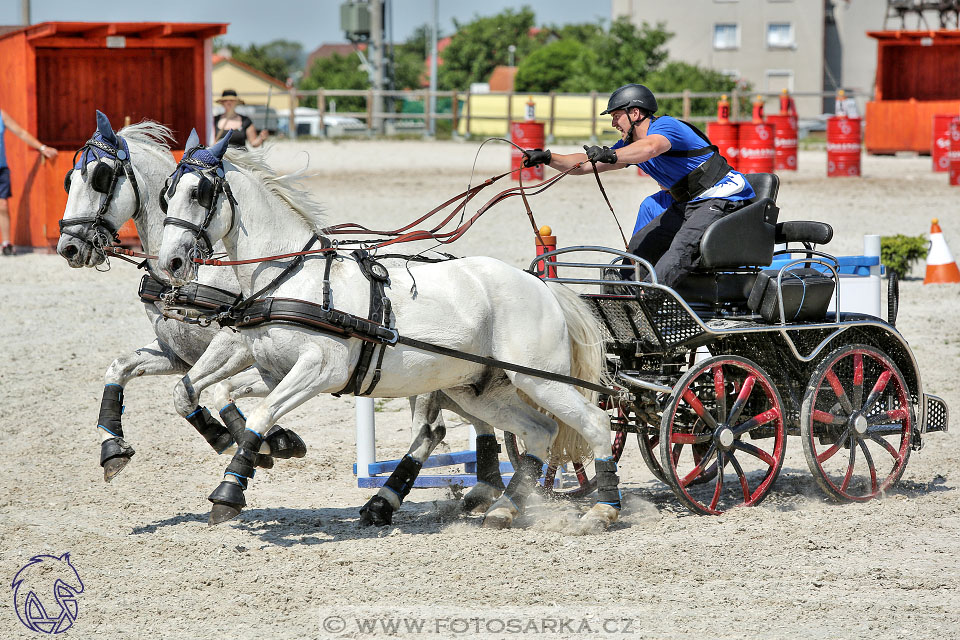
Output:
[[95, 229], [207, 193]]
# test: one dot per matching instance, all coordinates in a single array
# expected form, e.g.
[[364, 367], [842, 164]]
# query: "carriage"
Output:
[[720, 370]]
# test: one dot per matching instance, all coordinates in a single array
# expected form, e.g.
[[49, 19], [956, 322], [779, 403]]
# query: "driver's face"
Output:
[[619, 121]]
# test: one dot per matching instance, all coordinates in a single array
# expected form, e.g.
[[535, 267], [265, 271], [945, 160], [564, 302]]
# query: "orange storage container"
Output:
[[843, 147], [940, 143], [756, 153], [953, 154], [528, 135], [784, 142], [726, 135]]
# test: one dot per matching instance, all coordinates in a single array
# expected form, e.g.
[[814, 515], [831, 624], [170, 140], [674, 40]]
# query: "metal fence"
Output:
[[464, 115]]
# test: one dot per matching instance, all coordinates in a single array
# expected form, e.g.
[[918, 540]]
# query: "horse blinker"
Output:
[[66, 181], [204, 193], [102, 177]]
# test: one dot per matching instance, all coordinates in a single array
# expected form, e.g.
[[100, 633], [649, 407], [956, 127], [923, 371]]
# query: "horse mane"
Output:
[[150, 133], [286, 187]]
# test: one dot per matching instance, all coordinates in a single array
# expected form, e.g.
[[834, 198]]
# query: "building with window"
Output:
[[804, 46]]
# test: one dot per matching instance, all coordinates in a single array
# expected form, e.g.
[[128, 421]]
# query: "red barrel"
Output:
[[784, 142], [757, 154], [725, 135], [940, 144], [843, 147], [954, 153], [528, 135]]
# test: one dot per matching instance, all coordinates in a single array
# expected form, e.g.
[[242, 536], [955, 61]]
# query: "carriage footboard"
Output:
[[937, 415]]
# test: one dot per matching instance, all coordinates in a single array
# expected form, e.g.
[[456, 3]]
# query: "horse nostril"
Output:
[[175, 265], [69, 251]]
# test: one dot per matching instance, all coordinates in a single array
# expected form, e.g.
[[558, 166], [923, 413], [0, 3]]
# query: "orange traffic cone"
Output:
[[941, 267]]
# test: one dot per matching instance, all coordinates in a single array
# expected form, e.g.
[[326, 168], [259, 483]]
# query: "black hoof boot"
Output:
[[285, 444], [236, 424], [227, 501], [115, 453], [212, 431], [377, 512]]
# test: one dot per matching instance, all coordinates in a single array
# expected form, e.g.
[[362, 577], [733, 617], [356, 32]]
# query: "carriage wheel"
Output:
[[580, 484], [856, 422], [716, 407]]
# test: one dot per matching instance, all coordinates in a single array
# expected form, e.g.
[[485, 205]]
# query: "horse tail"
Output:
[[586, 362]]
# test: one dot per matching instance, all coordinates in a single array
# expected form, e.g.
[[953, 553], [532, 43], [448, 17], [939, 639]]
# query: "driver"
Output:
[[697, 185]]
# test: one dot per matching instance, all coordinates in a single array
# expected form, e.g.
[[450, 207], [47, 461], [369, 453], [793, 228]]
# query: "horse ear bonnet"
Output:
[[102, 176], [66, 181], [205, 193]]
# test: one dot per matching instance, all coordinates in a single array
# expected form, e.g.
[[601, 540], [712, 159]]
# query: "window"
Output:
[[780, 36], [726, 36], [778, 80]]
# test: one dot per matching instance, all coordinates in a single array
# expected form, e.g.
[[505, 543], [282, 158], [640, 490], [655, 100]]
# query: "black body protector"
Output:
[[697, 181]]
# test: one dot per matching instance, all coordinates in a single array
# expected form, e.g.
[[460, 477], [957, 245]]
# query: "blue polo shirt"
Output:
[[667, 170]]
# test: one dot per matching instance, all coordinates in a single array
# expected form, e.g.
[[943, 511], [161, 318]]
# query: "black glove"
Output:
[[601, 154], [533, 157]]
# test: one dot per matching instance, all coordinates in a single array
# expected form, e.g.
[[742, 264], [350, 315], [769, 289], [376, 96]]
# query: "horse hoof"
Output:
[[264, 461], [599, 518], [115, 453], [376, 513], [113, 466], [221, 513], [497, 519], [480, 498], [285, 444]]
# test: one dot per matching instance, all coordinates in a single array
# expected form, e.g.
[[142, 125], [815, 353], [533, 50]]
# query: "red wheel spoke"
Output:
[[825, 417], [878, 388], [699, 409], [689, 438], [837, 387], [826, 455], [757, 421], [698, 470], [549, 476], [720, 390], [853, 459], [756, 452], [886, 445], [873, 470], [741, 400], [719, 486], [743, 479], [857, 379], [581, 473]]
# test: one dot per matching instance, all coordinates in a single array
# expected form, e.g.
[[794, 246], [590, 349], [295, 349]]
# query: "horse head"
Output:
[[42, 584], [196, 194], [101, 197]]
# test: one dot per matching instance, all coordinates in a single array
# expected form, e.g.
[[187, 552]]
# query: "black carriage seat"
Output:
[[734, 248]]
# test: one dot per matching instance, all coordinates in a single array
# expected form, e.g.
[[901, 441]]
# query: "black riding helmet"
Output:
[[631, 95]]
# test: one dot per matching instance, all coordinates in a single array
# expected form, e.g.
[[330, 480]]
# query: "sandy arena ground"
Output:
[[296, 558]]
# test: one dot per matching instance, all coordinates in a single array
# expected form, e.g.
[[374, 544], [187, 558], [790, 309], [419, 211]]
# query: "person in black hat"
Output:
[[239, 127], [697, 185]]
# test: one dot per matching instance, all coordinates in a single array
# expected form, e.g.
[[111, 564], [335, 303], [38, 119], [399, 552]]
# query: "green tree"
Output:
[[278, 59], [409, 59], [479, 46], [674, 77], [337, 72], [626, 53], [549, 68]]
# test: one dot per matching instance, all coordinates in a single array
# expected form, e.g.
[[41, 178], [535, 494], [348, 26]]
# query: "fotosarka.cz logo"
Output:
[[45, 594]]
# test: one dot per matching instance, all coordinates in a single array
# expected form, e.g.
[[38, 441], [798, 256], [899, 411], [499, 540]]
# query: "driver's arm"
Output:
[[642, 150], [563, 161]]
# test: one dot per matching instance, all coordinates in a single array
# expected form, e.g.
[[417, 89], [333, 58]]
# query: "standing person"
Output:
[[230, 123], [697, 185], [6, 122]]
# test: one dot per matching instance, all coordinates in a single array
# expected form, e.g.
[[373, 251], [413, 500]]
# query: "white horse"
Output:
[[104, 191], [476, 306], [206, 354]]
